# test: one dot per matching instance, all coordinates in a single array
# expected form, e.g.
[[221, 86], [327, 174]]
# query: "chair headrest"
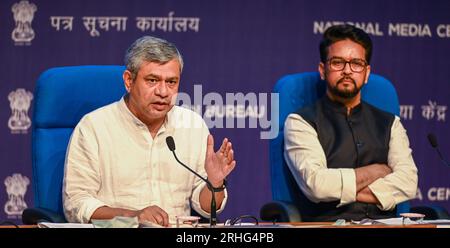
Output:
[[64, 95]]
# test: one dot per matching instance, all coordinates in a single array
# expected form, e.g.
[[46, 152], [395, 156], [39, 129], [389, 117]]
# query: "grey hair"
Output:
[[150, 49]]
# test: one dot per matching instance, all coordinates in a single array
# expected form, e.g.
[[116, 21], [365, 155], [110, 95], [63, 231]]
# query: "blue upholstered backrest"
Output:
[[62, 96], [302, 89]]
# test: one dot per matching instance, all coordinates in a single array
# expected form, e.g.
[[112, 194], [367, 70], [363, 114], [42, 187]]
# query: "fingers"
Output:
[[209, 145], [227, 153], [165, 218], [223, 146], [230, 156], [231, 166], [224, 149], [155, 214], [161, 216], [228, 147]]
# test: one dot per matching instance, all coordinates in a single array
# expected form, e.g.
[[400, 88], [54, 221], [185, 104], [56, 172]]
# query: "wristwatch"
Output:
[[218, 189]]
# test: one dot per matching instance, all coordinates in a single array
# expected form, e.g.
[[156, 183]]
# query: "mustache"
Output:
[[346, 78]]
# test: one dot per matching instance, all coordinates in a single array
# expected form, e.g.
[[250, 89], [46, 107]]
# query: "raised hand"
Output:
[[219, 164]]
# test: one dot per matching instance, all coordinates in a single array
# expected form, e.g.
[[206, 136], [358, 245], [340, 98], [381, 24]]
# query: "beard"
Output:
[[345, 93]]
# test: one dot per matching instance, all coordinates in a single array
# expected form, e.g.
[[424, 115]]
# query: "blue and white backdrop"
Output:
[[229, 47]]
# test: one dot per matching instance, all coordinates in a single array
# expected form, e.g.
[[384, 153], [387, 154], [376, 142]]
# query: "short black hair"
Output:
[[342, 32]]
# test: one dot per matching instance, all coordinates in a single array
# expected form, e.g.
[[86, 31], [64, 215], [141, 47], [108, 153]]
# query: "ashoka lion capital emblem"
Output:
[[16, 187], [23, 16], [19, 101]]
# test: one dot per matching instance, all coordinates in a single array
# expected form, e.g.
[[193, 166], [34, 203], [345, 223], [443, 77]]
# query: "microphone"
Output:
[[433, 142], [213, 219]]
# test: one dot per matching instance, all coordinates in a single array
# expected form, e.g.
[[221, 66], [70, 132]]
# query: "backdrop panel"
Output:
[[228, 47]]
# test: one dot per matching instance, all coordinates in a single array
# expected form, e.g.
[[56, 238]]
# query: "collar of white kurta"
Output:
[[167, 125]]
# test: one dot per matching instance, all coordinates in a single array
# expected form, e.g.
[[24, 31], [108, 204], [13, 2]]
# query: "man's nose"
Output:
[[347, 69], [161, 89]]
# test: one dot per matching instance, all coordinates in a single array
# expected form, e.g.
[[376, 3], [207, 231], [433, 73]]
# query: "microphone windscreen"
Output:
[[433, 140], [170, 143]]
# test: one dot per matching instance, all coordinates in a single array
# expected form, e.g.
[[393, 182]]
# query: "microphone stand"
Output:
[[442, 157], [433, 142], [213, 218]]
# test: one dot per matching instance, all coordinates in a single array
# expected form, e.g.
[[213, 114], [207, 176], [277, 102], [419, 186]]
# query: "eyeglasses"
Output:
[[238, 221], [338, 64]]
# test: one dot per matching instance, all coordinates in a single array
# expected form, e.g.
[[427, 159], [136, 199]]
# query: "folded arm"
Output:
[[386, 185], [401, 184], [307, 162], [367, 175]]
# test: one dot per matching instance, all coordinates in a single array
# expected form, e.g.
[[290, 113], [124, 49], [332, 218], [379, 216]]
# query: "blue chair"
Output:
[[62, 96], [296, 91]]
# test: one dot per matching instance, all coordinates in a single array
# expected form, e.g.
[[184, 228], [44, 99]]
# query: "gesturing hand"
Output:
[[219, 164]]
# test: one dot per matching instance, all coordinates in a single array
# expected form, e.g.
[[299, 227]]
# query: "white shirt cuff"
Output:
[[88, 209], [383, 194], [195, 201], [348, 179]]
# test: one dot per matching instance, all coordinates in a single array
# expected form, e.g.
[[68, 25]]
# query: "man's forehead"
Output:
[[168, 69], [346, 49]]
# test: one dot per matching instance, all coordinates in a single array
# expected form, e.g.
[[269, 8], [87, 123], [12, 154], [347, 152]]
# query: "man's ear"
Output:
[[367, 74], [127, 80], [321, 69]]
